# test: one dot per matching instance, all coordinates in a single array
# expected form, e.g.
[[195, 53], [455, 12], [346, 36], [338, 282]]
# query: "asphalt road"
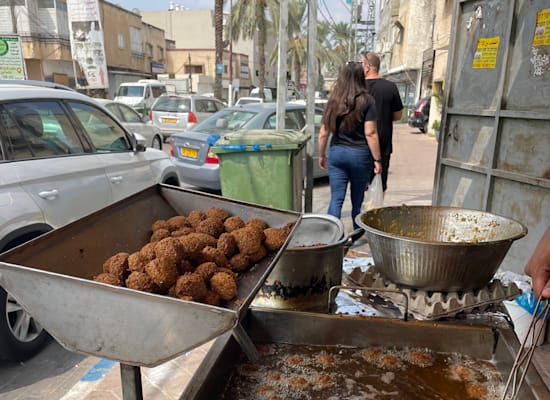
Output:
[[55, 372]]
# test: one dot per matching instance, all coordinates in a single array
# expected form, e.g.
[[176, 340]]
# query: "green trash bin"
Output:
[[262, 166]]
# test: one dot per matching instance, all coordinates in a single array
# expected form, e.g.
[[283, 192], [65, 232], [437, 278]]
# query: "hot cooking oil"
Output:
[[331, 373]]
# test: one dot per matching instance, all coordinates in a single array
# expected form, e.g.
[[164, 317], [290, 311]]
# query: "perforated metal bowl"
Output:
[[438, 248]]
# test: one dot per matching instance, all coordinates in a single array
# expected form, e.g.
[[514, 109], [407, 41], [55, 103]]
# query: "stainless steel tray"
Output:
[[50, 277], [309, 329]]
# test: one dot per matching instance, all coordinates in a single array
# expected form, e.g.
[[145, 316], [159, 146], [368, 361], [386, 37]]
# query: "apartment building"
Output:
[[193, 32], [413, 40]]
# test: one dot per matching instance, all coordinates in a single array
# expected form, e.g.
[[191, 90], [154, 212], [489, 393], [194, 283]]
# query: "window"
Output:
[[120, 40], [136, 42], [193, 69], [106, 135], [149, 49], [128, 114], [46, 4], [38, 129]]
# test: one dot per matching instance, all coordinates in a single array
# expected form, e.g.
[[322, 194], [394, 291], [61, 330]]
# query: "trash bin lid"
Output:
[[272, 137]]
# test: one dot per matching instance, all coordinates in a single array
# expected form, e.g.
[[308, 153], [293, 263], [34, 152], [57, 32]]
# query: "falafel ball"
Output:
[[159, 224], [136, 262], [207, 270], [177, 222], [239, 262], [158, 235], [194, 243], [185, 266], [224, 284], [233, 223], [257, 222], [211, 298], [248, 239], [227, 244], [108, 278], [196, 216], [163, 274], [147, 252], [218, 213], [140, 281], [117, 265], [258, 255], [275, 238], [191, 284], [170, 250], [183, 231], [211, 226], [215, 255]]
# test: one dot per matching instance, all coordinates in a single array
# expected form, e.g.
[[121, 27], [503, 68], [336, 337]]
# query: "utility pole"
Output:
[[310, 101], [282, 66], [190, 77], [351, 19]]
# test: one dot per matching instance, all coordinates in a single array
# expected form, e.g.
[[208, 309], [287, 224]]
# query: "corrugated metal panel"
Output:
[[494, 153]]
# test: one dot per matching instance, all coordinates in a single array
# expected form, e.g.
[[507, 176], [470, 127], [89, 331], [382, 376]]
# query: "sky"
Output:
[[331, 10]]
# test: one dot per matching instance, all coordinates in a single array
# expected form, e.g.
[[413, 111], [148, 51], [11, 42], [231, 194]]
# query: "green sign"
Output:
[[11, 58]]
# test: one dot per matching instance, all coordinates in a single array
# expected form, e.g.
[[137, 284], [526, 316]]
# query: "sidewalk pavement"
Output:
[[410, 182], [410, 179]]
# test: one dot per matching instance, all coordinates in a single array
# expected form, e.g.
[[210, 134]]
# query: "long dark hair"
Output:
[[347, 99]]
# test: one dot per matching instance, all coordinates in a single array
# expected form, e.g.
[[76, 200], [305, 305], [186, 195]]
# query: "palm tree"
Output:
[[218, 30], [251, 17]]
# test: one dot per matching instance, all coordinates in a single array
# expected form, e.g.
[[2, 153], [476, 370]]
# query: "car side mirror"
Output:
[[222, 123], [145, 119]]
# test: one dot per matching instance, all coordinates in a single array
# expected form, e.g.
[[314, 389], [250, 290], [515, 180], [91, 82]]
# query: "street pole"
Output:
[[230, 85], [310, 102], [282, 66], [351, 28]]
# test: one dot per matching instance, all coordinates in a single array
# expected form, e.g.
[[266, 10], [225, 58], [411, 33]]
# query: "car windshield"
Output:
[[235, 119], [130, 91], [172, 104]]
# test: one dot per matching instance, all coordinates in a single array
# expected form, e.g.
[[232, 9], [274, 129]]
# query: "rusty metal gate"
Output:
[[494, 153]]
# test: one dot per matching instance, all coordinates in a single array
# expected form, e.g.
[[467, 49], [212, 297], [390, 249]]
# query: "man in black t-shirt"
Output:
[[389, 108]]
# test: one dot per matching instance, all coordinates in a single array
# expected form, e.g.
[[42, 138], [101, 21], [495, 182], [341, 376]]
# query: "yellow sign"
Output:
[[542, 28], [486, 53]]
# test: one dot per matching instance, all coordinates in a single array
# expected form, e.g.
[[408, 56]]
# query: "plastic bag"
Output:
[[374, 197]]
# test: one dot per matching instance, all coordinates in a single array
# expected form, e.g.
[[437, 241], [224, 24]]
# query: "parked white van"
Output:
[[267, 93], [141, 94]]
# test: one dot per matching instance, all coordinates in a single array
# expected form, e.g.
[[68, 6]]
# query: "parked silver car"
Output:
[[134, 122], [198, 166], [175, 113], [62, 156]]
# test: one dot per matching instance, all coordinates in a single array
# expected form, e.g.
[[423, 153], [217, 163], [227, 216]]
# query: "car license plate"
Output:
[[169, 120], [187, 152]]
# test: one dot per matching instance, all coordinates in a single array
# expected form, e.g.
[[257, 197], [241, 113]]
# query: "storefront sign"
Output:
[[12, 65]]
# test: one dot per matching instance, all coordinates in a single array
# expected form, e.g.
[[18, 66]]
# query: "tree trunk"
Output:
[[218, 18]]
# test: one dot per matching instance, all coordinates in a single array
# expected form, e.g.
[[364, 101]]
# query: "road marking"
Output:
[[90, 380]]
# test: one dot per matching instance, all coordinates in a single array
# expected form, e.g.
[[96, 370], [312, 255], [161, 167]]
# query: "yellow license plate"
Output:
[[187, 152], [169, 120]]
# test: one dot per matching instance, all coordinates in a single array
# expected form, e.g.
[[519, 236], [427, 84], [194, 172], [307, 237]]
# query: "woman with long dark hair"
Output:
[[350, 116]]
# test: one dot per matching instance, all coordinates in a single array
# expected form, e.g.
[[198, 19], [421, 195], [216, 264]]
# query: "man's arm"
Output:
[[397, 115]]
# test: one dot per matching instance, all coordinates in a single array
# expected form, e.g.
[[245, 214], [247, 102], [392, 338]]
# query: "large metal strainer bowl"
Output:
[[438, 248]]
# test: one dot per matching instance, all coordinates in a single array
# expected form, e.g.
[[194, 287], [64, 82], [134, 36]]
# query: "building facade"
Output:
[[193, 32]]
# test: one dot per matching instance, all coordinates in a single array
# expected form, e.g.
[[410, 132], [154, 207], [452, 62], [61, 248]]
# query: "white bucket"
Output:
[[522, 320]]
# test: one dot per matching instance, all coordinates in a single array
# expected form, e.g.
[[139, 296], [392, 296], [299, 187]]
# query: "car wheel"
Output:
[[424, 127], [21, 336], [157, 143]]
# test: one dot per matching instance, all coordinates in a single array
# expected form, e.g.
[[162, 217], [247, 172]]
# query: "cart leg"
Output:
[[131, 382], [246, 343]]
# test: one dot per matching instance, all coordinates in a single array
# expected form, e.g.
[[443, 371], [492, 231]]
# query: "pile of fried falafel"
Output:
[[197, 257]]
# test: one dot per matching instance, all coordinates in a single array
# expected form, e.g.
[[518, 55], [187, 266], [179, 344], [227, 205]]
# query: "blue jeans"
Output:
[[353, 165]]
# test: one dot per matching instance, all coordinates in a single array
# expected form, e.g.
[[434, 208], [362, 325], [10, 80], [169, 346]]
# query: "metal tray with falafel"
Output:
[[122, 283]]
